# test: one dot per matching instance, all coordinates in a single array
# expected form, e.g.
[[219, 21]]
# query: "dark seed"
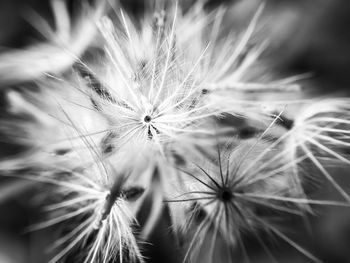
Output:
[[62, 151], [225, 195], [133, 193], [147, 118]]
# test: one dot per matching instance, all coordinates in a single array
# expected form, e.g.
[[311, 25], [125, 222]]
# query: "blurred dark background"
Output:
[[307, 35]]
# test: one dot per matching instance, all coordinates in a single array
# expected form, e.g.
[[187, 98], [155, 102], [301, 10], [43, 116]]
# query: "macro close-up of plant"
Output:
[[173, 131]]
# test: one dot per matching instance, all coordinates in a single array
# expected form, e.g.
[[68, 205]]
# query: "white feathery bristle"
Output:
[[65, 45]]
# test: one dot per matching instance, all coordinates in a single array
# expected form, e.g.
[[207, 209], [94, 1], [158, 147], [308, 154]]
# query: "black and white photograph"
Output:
[[174, 131]]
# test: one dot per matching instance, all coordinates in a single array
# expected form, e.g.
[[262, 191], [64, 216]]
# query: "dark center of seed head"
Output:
[[147, 118], [226, 195]]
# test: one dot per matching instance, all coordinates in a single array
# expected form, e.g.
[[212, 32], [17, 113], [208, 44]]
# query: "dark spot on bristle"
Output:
[[150, 136], [108, 149], [143, 64], [133, 193], [94, 104], [199, 213], [205, 91], [62, 151], [106, 143], [225, 195], [95, 84], [147, 118], [179, 160], [157, 131], [287, 123], [65, 175], [247, 132]]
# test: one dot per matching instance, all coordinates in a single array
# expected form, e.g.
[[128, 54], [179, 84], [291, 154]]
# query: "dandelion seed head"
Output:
[[225, 194], [238, 193], [158, 102], [105, 228], [321, 130]]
